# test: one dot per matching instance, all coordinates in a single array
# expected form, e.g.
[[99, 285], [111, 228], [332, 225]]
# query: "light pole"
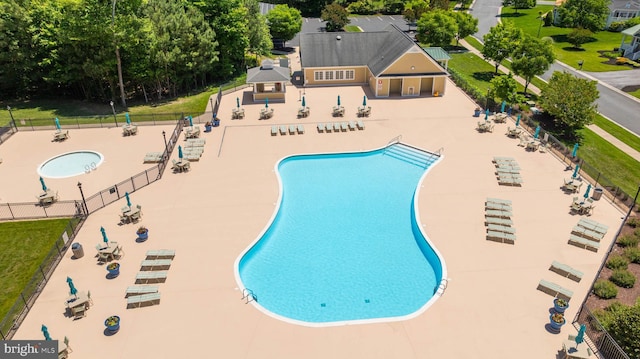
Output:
[[84, 202], [114, 113], [164, 136], [580, 63], [211, 102], [118, 62], [541, 21], [11, 114]]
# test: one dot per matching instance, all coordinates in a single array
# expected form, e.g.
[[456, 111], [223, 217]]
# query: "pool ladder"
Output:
[[444, 283], [248, 295]]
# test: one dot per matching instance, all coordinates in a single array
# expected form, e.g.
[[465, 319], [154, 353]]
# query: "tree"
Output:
[[571, 101], [439, 5], [257, 29], [579, 36], [467, 25], [284, 22], [499, 42], [624, 327], [505, 88], [520, 4], [587, 14], [465, 4], [437, 28], [393, 6], [336, 17], [414, 9], [532, 57]]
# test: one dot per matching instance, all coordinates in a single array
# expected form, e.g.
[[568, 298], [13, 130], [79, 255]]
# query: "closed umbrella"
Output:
[[126, 115], [580, 336], [266, 102], [57, 124], [504, 103], [364, 101], [486, 115], [126, 195], [586, 193], [104, 236], [72, 288], [190, 121], [575, 172], [575, 150], [304, 103], [44, 186], [537, 133], [338, 100], [518, 120], [238, 102], [45, 332], [180, 152]]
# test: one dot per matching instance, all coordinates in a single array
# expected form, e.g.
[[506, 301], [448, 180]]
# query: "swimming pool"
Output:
[[343, 245], [70, 164]]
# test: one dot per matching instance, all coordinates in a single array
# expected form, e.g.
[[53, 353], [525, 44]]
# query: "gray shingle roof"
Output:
[[376, 49], [275, 74], [624, 5]]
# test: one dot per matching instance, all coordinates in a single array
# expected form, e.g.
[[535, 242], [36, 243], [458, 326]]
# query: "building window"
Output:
[[328, 75], [317, 75], [340, 75], [350, 74]]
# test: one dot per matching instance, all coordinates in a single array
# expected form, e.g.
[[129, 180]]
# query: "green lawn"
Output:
[[618, 132], [25, 244], [475, 70], [528, 21], [352, 28]]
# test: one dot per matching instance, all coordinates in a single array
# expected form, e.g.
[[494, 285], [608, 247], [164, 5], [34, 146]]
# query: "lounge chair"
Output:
[[283, 130], [498, 220], [153, 277], [155, 264], [360, 124], [584, 243], [500, 201], [501, 228], [587, 233], [160, 253], [140, 289], [137, 301], [292, 129], [498, 213], [328, 127], [504, 159], [321, 127], [352, 125], [343, 126], [501, 236], [554, 290], [566, 271], [593, 225], [300, 129]]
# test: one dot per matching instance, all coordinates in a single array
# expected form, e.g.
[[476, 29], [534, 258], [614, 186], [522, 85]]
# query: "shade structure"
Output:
[[190, 121], [44, 186], [180, 152], [580, 336], [338, 100], [126, 115], [504, 104], [575, 150], [104, 235], [537, 133], [364, 101], [45, 332], [486, 115], [57, 124], [518, 120], [266, 102], [575, 171], [304, 103], [238, 102], [72, 288], [126, 195], [586, 193]]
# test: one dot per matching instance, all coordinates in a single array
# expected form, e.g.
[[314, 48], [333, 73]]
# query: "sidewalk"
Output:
[[600, 132]]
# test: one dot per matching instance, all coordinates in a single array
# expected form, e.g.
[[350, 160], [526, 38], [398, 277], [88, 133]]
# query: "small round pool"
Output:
[[70, 164]]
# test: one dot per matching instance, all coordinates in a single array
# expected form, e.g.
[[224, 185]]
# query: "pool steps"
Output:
[[411, 155]]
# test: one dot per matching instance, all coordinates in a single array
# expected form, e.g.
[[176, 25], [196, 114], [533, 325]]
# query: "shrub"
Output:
[[633, 254], [617, 262], [621, 60], [623, 278], [628, 240], [634, 222], [611, 54], [617, 26], [548, 18], [605, 289]]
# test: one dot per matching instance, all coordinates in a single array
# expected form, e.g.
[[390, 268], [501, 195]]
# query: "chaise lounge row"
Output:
[[498, 221], [151, 271], [283, 129], [341, 126], [507, 171]]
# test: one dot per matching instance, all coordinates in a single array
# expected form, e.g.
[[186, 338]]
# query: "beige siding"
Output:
[[360, 76], [395, 87], [439, 85], [382, 86], [420, 61], [411, 82], [271, 95], [426, 85]]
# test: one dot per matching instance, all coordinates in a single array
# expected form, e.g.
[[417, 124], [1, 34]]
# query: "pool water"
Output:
[[70, 164], [344, 244]]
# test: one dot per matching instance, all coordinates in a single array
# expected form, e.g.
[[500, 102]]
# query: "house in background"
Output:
[[269, 81], [631, 49], [622, 10], [388, 61]]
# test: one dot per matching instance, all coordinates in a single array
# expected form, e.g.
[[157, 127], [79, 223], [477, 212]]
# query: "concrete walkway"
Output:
[[599, 131]]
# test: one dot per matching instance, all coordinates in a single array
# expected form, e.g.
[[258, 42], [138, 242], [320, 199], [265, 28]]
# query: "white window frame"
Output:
[[318, 75], [350, 74], [328, 75], [334, 75]]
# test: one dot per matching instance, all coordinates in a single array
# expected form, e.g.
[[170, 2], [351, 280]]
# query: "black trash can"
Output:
[[78, 252], [597, 193]]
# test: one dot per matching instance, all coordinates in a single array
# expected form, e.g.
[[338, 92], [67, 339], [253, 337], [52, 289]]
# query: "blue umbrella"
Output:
[[364, 101], [57, 124], [190, 121], [45, 331], [586, 193], [180, 152], [126, 115], [266, 102], [518, 120], [104, 236], [537, 133], [486, 115], [338, 100], [44, 186], [575, 150], [575, 172], [504, 103], [238, 102], [580, 336], [126, 195], [304, 103], [72, 288]]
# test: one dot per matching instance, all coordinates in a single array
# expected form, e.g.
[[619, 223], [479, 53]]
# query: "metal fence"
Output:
[[606, 345], [28, 296], [6, 132], [14, 211]]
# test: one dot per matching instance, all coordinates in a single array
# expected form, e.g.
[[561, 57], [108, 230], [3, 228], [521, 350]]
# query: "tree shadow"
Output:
[[483, 76], [512, 14], [573, 49]]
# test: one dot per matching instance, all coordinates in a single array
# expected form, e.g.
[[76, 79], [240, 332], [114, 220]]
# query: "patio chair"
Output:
[[89, 297], [79, 311]]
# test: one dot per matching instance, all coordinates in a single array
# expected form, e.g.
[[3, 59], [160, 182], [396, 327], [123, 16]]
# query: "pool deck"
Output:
[[209, 215]]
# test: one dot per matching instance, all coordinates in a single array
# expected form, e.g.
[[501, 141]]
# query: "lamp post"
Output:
[[541, 21], [84, 202], [211, 102], [11, 114], [164, 136], [580, 63], [114, 113], [486, 107]]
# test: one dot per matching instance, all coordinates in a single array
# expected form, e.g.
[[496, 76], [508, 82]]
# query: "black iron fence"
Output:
[[6, 132], [60, 209], [28, 296], [605, 344]]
